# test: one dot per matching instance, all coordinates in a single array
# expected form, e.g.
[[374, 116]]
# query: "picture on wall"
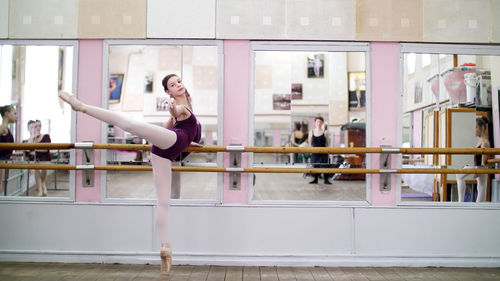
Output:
[[115, 87], [315, 66], [148, 83], [356, 90], [296, 91], [417, 97], [161, 104], [60, 70], [281, 102]]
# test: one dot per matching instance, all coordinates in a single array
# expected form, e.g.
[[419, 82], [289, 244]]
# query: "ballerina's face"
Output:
[[175, 87]]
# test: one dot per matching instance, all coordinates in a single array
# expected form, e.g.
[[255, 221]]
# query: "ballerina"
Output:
[[181, 130]]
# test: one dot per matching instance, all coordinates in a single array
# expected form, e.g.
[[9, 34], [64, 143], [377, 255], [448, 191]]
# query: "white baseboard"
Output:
[[248, 260]]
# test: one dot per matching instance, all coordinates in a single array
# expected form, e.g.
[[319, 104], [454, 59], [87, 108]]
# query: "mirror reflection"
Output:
[[309, 99], [30, 79], [135, 89], [447, 102]]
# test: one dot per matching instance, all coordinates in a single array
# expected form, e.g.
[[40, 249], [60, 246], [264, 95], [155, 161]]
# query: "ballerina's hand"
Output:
[[195, 144]]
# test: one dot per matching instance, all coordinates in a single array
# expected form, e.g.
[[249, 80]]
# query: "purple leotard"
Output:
[[187, 131], [6, 154], [40, 155]]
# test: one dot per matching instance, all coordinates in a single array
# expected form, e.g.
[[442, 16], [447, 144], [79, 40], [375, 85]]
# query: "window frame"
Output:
[[72, 161], [447, 49], [297, 46], [220, 117]]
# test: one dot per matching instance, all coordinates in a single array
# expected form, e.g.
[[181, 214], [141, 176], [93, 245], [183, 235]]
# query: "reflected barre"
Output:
[[255, 149], [246, 170]]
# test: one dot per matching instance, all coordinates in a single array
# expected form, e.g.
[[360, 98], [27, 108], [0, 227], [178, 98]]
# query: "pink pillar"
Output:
[[384, 111], [236, 95], [90, 92]]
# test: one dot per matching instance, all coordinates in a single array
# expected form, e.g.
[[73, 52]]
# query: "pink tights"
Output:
[[162, 172]]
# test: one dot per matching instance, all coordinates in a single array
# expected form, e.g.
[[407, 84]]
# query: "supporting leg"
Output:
[[482, 184], [162, 173], [38, 183]]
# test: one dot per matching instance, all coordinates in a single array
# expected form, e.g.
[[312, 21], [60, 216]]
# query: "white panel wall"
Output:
[[181, 19], [42, 19], [429, 232], [75, 228], [256, 19], [4, 18], [253, 235], [322, 19]]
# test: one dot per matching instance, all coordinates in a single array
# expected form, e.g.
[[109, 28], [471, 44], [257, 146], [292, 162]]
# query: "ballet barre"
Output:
[[255, 149], [247, 170]]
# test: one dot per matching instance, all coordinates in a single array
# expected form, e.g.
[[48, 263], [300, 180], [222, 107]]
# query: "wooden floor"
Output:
[[71, 271]]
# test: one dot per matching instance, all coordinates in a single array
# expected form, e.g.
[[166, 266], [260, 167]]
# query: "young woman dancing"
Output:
[[181, 130]]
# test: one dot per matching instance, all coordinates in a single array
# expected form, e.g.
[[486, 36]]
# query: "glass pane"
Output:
[[293, 90], [137, 71], [461, 89], [30, 78]]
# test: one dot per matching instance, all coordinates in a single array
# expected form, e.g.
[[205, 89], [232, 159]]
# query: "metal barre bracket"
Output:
[[84, 145], [385, 167], [235, 166], [87, 163], [234, 148]]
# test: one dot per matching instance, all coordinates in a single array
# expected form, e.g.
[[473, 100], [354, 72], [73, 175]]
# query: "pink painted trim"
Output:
[[89, 91], [236, 110], [384, 114]]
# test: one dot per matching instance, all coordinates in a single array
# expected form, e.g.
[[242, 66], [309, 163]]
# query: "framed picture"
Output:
[[282, 101], [296, 91], [60, 70], [417, 97], [357, 90], [315, 66], [148, 83], [115, 87], [160, 103]]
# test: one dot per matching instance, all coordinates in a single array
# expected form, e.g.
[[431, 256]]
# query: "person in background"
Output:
[[39, 155], [9, 116], [480, 162], [318, 137]]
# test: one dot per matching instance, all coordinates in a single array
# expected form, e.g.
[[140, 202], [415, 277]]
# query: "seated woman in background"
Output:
[[38, 155], [480, 162]]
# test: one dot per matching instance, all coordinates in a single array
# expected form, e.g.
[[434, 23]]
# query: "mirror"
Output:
[[30, 78], [291, 90], [443, 95], [135, 73]]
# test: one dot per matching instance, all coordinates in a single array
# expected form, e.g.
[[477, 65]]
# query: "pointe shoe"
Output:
[[70, 99], [166, 258], [44, 192]]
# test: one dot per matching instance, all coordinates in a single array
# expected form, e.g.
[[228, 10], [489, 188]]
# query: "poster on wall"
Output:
[[417, 97], [281, 101], [148, 83], [60, 70], [315, 66], [115, 87], [357, 90], [296, 91], [161, 104]]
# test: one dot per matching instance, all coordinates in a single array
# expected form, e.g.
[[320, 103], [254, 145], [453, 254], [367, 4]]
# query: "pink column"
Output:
[[384, 111], [236, 94], [89, 91]]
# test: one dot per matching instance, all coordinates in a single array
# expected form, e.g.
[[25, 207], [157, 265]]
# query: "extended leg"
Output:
[[154, 134]]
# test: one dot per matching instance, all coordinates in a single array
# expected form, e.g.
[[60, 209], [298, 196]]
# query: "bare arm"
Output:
[[485, 157], [309, 139], [326, 137], [170, 123]]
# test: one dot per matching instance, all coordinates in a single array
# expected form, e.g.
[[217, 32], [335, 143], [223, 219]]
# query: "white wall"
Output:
[[253, 235]]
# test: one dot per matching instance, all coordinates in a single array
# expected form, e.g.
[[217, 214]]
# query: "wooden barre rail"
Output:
[[250, 170], [263, 149]]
